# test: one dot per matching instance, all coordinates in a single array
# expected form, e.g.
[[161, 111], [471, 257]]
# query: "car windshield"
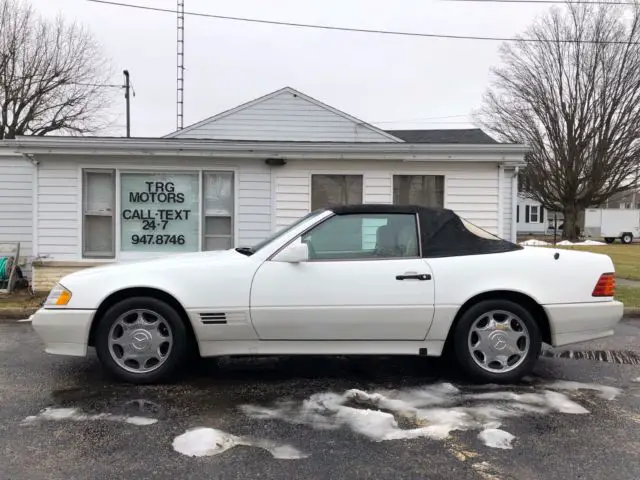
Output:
[[258, 246]]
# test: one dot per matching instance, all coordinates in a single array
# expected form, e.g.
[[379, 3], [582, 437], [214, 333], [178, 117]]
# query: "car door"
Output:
[[364, 280]]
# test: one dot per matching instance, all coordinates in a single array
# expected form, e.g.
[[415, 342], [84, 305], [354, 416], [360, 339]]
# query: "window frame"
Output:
[[420, 174], [119, 169], [298, 237], [537, 213], [84, 213]]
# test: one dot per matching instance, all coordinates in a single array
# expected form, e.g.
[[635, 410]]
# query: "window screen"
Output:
[[217, 210], [422, 190], [327, 190], [98, 226]]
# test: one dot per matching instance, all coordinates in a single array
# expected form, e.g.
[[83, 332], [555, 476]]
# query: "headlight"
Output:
[[58, 297]]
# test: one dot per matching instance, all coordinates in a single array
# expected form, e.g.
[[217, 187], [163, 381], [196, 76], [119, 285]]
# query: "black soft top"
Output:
[[443, 233]]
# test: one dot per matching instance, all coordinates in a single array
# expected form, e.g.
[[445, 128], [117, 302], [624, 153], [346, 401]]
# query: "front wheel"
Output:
[[626, 238], [497, 341], [142, 340]]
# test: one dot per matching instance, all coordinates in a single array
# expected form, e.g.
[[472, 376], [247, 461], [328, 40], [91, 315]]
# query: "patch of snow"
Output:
[[562, 404], [201, 442], [606, 392], [433, 411], [636, 380], [74, 414], [534, 243], [590, 242], [496, 438], [140, 420], [204, 442], [565, 243]]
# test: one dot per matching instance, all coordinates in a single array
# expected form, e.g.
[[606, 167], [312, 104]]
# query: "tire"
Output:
[[469, 357], [609, 239], [626, 238], [167, 328]]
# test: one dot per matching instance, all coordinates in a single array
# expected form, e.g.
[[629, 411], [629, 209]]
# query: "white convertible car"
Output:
[[350, 280]]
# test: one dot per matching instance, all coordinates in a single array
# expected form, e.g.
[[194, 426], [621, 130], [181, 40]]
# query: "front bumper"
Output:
[[64, 331], [580, 322]]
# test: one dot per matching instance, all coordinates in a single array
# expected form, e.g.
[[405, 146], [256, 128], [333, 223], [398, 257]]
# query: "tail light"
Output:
[[606, 285]]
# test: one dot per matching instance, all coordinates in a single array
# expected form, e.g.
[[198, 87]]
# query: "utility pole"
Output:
[[127, 96]]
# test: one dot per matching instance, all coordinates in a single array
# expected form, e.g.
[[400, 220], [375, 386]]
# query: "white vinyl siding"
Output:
[[471, 190], [16, 205], [60, 200], [285, 117]]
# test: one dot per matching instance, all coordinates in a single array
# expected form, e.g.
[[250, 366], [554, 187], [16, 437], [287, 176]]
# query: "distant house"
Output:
[[628, 199], [233, 179], [533, 219]]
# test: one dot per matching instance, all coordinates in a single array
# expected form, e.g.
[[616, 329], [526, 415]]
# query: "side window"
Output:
[[98, 218], [361, 237]]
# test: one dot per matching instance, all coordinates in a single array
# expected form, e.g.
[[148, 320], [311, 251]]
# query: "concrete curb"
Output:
[[13, 314]]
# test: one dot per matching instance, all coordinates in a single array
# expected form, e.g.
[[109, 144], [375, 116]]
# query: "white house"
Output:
[[233, 179], [531, 216]]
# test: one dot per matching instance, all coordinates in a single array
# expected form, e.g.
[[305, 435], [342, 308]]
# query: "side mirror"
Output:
[[295, 253]]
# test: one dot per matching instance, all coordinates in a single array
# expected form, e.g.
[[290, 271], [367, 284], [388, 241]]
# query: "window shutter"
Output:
[[526, 214], [541, 214], [517, 213]]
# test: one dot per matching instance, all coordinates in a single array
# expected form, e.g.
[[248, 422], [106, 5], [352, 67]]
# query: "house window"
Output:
[[98, 208], [327, 190], [217, 210], [533, 214], [364, 236], [158, 212], [423, 190]]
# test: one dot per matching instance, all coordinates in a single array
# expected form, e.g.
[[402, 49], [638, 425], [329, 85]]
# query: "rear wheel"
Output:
[[626, 238], [609, 239], [142, 340], [497, 341]]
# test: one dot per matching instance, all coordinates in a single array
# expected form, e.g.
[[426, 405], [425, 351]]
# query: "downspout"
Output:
[[500, 201], [514, 205], [34, 210]]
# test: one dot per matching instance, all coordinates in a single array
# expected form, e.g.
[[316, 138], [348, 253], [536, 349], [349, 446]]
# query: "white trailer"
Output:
[[612, 223]]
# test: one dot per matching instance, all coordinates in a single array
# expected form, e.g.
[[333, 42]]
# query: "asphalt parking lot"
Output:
[[576, 417]]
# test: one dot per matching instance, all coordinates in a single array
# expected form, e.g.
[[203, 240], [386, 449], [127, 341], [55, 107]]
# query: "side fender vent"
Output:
[[216, 318]]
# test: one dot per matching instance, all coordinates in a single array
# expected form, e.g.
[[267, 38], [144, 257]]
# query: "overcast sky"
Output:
[[392, 82]]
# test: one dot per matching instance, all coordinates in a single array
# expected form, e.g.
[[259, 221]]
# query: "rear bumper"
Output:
[[64, 332], [580, 322]]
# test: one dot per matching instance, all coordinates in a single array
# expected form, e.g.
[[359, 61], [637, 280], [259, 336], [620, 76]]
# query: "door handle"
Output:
[[414, 276]]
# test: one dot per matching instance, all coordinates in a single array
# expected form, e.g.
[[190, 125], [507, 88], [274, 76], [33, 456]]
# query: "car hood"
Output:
[[181, 260]]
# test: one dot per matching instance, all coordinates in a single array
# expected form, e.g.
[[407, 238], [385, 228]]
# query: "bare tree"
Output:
[[51, 75], [573, 95]]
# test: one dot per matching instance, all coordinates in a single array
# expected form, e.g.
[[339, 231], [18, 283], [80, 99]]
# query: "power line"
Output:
[[359, 30], [106, 85], [577, 2]]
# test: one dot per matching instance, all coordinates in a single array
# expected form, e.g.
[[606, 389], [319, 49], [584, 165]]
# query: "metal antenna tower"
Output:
[[180, 78]]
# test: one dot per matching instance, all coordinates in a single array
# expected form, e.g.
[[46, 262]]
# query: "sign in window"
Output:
[[159, 212]]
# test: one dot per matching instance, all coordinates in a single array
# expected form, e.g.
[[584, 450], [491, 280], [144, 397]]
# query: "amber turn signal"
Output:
[[606, 285]]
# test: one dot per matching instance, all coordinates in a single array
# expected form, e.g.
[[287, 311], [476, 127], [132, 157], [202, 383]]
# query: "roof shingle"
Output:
[[466, 136]]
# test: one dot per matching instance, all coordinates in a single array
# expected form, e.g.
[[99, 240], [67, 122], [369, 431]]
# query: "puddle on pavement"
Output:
[[620, 357]]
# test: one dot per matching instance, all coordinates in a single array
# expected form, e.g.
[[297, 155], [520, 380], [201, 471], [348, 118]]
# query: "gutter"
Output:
[[514, 205], [249, 149]]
